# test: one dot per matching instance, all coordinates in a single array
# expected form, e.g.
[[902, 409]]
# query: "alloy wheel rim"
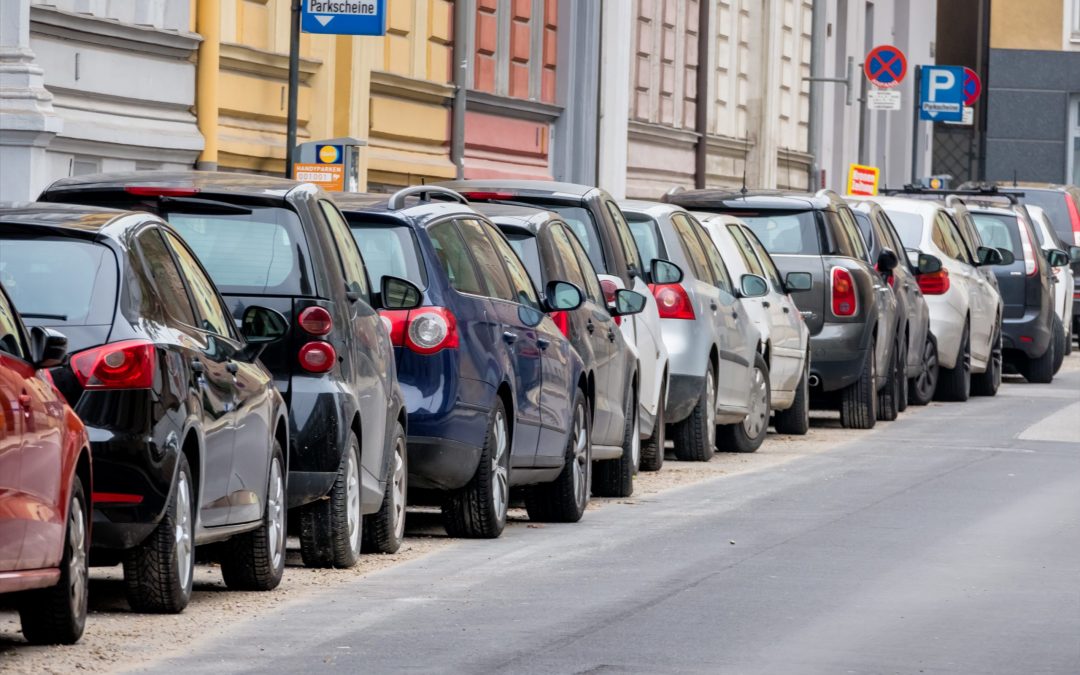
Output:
[[635, 442], [77, 566], [275, 507], [500, 479], [182, 531], [581, 458], [398, 491], [996, 359], [754, 422], [926, 372], [352, 500], [710, 416]]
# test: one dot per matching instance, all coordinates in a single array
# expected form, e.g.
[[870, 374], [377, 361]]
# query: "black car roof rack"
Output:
[[425, 193], [985, 192]]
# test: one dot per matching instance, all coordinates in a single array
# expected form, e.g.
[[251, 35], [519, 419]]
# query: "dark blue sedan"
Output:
[[495, 393]]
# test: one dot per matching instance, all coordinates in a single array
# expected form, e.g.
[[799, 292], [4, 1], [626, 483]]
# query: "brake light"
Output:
[[425, 331], [154, 191], [934, 283], [486, 196], [395, 321], [1029, 252], [673, 302], [609, 287], [1074, 218], [562, 320], [317, 357], [844, 300], [100, 498], [120, 365], [316, 321]]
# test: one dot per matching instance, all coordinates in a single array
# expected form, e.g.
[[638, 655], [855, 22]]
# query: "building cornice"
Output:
[[244, 59], [52, 22], [505, 106], [410, 88], [664, 135]]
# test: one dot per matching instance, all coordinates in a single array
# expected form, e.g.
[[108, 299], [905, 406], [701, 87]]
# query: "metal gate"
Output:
[[956, 153]]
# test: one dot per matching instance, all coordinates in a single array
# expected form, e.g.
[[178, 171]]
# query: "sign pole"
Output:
[[915, 126], [294, 87]]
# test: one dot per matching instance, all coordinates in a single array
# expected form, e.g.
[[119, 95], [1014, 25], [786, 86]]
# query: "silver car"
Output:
[[719, 390]]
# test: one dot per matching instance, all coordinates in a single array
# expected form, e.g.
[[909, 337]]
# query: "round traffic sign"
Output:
[[972, 86], [885, 66]]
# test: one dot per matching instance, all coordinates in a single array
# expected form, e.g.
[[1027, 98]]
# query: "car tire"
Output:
[[158, 573], [565, 499], [615, 477], [695, 437], [385, 530], [478, 510], [1041, 369], [255, 561], [987, 382], [749, 434], [858, 401], [57, 615], [954, 384], [796, 419], [652, 450], [1058, 336], [921, 387], [902, 399], [888, 408], [331, 528]]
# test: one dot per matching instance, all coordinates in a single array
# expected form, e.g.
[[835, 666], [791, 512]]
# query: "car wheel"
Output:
[[858, 401], [57, 615], [564, 500], [796, 419], [385, 529], [615, 477], [695, 437], [749, 434], [987, 382], [901, 377], [954, 384], [158, 572], [330, 528], [1068, 342], [255, 561], [888, 408], [652, 450], [1059, 343], [478, 510], [1041, 369], [922, 386]]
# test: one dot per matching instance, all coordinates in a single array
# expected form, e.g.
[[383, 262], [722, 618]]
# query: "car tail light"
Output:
[[673, 302], [120, 365], [395, 321], [101, 498], [1029, 252], [317, 357], [610, 288], [425, 331], [845, 302], [486, 196], [316, 321], [154, 191], [934, 283], [562, 320], [1074, 218]]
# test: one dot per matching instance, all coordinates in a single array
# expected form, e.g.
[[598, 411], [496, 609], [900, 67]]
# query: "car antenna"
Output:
[[746, 155], [1014, 178]]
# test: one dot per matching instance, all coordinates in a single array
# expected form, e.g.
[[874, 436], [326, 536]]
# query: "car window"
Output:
[[592, 283], [582, 224], [646, 233], [389, 250], [454, 257], [215, 317], [10, 335], [854, 237], [866, 228], [352, 265], [785, 232], [717, 268], [626, 239], [695, 254], [167, 277], [487, 259], [746, 251], [909, 226], [771, 273], [524, 289], [1056, 205], [999, 231], [946, 238], [526, 247], [566, 256]]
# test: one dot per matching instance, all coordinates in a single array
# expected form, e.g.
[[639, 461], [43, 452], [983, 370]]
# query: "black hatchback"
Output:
[[187, 430], [284, 244]]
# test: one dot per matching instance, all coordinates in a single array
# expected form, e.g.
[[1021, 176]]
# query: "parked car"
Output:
[[187, 430], [46, 485], [601, 228], [282, 244], [917, 376], [496, 395], [848, 308], [550, 251], [966, 310], [784, 334], [1064, 278]]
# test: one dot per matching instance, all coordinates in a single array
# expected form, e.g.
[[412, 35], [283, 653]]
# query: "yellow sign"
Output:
[[862, 181], [330, 177], [329, 154]]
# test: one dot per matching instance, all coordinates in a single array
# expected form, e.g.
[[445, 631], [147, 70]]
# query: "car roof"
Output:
[[728, 198], [652, 209], [69, 219], [714, 218], [923, 207], [418, 212], [522, 217], [539, 187], [217, 182]]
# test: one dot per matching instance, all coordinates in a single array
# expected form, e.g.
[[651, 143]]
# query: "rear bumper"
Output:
[[441, 463], [838, 352], [683, 394], [1029, 335]]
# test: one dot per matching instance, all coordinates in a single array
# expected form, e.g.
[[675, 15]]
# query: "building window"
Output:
[[515, 48], [82, 166], [1074, 9], [1074, 140]]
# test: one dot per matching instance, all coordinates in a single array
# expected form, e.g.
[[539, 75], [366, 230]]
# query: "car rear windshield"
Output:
[[1056, 207], [784, 232], [909, 226], [389, 250], [583, 225], [59, 281], [646, 232], [524, 244], [999, 231]]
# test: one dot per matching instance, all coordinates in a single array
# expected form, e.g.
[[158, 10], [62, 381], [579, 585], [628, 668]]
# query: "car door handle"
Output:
[[590, 326], [713, 305], [735, 314], [510, 338], [543, 343], [197, 367], [611, 335], [232, 367], [787, 310], [766, 304]]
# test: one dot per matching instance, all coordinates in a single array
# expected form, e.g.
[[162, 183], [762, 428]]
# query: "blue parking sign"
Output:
[[344, 17], [941, 94]]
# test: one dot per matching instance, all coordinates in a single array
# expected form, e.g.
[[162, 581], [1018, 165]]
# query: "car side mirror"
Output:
[[887, 261], [1057, 258], [928, 264], [627, 302], [797, 282], [752, 286], [1074, 254], [398, 293], [664, 272], [563, 296], [989, 256], [1007, 257], [262, 326], [48, 347]]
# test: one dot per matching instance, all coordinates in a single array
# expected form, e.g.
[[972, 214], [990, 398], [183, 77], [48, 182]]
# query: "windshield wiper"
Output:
[[54, 317]]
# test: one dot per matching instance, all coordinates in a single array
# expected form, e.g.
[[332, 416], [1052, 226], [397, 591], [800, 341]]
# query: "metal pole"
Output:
[[864, 122], [294, 88], [704, 95], [461, 84], [915, 126], [817, 70]]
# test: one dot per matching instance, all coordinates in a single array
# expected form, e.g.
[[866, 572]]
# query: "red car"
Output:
[[45, 486]]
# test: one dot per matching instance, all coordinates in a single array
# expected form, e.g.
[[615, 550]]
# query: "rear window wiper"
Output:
[[199, 205], [52, 317]]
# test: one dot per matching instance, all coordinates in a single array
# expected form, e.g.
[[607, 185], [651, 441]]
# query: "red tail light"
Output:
[[934, 283], [1074, 218], [316, 321], [1030, 267], [673, 302], [425, 331], [609, 287], [395, 321], [562, 320], [845, 302], [317, 357], [101, 498], [486, 196], [120, 365], [153, 191]]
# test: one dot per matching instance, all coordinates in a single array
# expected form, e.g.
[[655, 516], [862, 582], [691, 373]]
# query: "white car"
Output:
[[1065, 283], [783, 331], [965, 308]]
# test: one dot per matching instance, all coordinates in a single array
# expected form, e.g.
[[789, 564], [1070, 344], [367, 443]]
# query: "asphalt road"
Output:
[[947, 543]]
